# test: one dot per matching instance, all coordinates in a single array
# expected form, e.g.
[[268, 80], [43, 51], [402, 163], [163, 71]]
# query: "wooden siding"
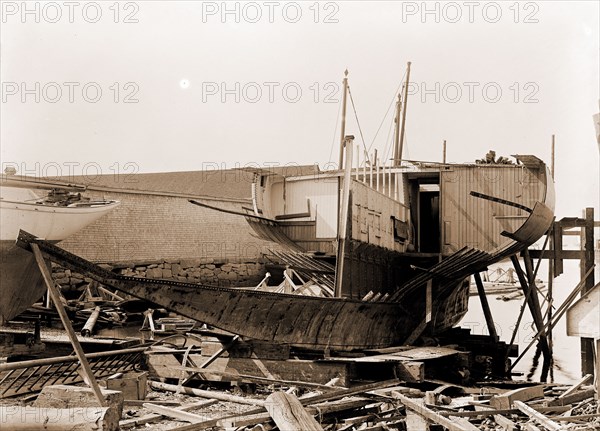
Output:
[[372, 217], [470, 221]]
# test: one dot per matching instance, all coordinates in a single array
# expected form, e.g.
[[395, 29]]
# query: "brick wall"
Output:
[[150, 227]]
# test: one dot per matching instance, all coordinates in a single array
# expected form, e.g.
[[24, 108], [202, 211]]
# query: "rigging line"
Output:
[[337, 119], [358, 123], [389, 144], [388, 110], [359, 128]]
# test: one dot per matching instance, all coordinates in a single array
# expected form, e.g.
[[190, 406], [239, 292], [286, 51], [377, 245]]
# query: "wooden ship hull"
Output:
[[429, 302], [20, 279]]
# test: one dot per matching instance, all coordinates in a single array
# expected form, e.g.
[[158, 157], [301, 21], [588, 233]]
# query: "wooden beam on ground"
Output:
[[135, 422], [56, 298], [174, 413], [506, 400], [453, 423], [576, 386], [539, 417], [289, 414], [305, 401], [207, 394], [260, 380]]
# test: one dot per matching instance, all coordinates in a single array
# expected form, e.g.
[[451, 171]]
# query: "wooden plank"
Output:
[[134, 422], [260, 380], [56, 298], [574, 398], [532, 413], [506, 423], [576, 386], [506, 400], [289, 414], [174, 413], [207, 394], [453, 424]]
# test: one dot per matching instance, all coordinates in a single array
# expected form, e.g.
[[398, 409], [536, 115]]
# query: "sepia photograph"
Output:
[[300, 215]]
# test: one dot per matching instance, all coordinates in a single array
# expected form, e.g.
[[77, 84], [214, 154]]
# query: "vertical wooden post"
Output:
[[487, 312], [587, 247], [551, 294], [343, 219], [54, 293], [444, 153]]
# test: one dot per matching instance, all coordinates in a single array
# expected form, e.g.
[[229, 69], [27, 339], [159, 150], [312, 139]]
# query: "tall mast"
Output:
[[343, 131], [397, 131], [404, 112]]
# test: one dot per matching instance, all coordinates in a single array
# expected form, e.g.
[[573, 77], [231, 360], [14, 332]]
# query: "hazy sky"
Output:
[[260, 83]]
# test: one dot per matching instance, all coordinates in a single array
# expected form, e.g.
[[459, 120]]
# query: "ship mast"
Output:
[[401, 144], [343, 128]]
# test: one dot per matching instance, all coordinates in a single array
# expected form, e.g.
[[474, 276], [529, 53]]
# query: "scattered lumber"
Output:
[[539, 417], [134, 422], [174, 413], [506, 400], [453, 424], [207, 394], [576, 386]]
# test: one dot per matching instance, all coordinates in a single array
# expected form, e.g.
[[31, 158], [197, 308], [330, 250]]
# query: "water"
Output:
[[566, 349]]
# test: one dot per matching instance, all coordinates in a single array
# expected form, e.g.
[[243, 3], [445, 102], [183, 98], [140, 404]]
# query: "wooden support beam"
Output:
[[56, 298], [485, 306], [539, 417], [212, 358], [587, 263], [528, 287]]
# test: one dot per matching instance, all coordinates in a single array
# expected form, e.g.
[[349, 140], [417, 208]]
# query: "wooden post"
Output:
[[343, 219], [487, 312], [444, 153], [587, 246], [55, 294]]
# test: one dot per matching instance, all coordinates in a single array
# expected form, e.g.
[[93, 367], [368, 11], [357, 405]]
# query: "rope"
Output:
[[388, 109], [335, 129], [358, 123]]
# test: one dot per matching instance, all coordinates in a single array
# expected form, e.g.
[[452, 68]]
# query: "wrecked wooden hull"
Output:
[[316, 322]]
